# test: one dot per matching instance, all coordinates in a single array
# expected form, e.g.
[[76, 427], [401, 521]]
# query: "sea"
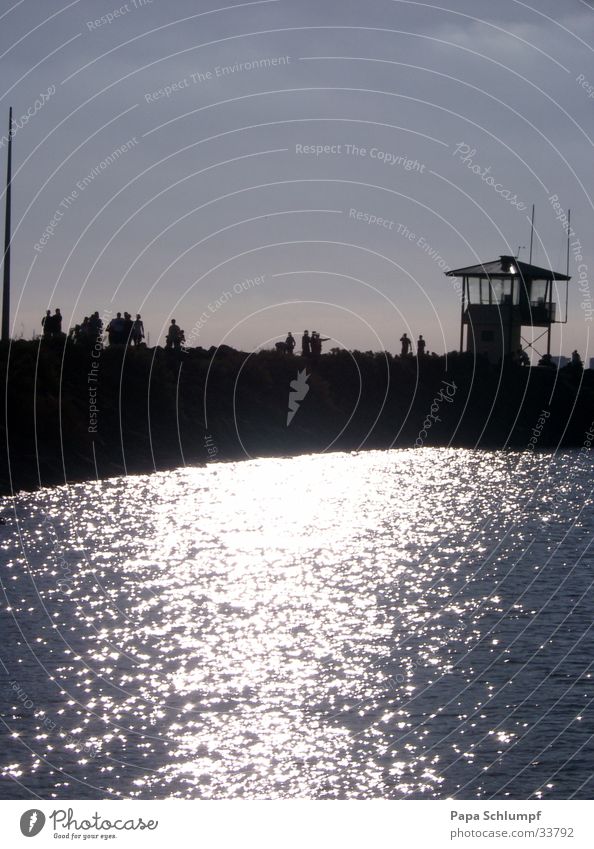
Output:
[[396, 624]]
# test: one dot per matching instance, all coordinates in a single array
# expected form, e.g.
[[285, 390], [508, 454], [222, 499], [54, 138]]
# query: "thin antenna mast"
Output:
[[531, 233]]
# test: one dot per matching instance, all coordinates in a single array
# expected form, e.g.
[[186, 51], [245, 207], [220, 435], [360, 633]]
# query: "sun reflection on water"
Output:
[[339, 626]]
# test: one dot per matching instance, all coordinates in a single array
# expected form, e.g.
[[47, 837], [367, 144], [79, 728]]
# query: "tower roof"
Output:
[[506, 266]]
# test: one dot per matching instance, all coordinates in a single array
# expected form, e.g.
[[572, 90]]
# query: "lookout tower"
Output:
[[501, 297]]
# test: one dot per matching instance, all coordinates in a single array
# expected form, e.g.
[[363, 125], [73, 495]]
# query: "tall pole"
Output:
[[463, 307], [531, 234], [7, 237], [569, 234], [568, 237]]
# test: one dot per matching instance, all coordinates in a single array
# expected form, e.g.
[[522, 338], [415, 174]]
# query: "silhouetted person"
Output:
[[95, 326], [84, 331], [290, 343], [316, 343], [576, 360], [115, 330], [421, 344], [127, 328], [305, 344], [523, 358], [547, 361], [174, 336], [57, 323], [137, 331], [46, 323], [406, 343]]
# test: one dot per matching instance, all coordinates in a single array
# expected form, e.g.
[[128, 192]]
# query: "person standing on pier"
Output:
[[95, 326], [406, 343], [127, 328], [174, 336], [46, 323], [305, 344], [137, 331], [57, 323], [115, 330], [316, 343]]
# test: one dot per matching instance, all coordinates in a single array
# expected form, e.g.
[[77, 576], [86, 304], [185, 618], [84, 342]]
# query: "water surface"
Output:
[[392, 624]]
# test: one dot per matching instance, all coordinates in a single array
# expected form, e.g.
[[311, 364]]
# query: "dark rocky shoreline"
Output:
[[156, 409]]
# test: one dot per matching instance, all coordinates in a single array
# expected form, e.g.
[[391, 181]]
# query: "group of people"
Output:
[[121, 330], [52, 324], [311, 344], [575, 362], [124, 330], [87, 332], [406, 346]]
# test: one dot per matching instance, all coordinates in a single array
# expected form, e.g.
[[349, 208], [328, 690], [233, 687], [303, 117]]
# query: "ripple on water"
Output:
[[386, 624]]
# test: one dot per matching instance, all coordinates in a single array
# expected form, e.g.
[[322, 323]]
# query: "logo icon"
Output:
[[300, 387], [32, 822]]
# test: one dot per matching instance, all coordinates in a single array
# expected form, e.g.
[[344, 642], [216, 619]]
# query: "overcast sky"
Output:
[[214, 183]]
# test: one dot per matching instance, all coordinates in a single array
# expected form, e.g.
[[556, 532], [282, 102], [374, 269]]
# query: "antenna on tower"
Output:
[[531, 233]]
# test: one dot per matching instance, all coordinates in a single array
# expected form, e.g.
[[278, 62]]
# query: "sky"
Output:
[[276, 165]]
